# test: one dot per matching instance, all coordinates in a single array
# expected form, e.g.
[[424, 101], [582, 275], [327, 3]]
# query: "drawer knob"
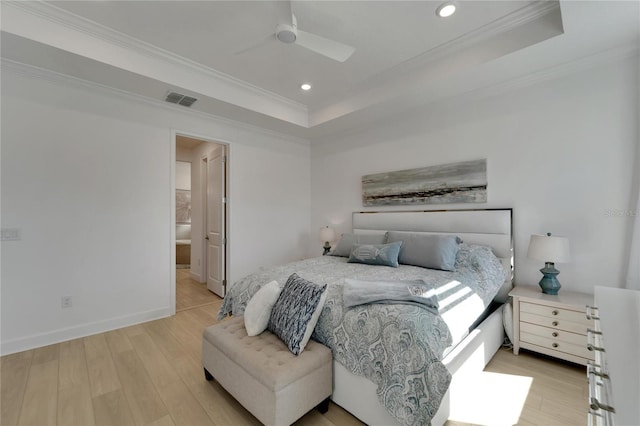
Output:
[[554, 334], [555, 345], [555, 323], [554, 312]]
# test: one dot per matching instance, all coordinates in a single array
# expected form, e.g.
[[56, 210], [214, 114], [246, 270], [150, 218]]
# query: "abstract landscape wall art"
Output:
[[464, 182]]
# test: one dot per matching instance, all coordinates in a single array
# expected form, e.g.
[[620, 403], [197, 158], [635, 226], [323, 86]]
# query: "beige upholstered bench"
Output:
[[264, 376]]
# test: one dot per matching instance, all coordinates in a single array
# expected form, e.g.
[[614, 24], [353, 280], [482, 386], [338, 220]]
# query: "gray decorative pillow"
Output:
[[347, 241], [293, 315], [376, 254], [434, 251]]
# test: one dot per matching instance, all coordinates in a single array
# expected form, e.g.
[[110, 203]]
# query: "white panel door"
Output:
[[215, 220]]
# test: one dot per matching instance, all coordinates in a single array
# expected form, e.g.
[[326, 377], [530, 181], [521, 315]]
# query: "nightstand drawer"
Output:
[[553, 344], [556, 313], [556, 323], [554, 334]]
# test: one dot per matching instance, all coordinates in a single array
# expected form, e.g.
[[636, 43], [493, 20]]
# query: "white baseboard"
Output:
[[195, 276], [82, 330]]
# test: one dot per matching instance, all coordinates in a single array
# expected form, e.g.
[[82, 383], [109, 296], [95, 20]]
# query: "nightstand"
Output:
[[551, 325]]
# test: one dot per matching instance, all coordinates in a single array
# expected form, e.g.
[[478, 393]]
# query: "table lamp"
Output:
[[549, 249], [327, 235]]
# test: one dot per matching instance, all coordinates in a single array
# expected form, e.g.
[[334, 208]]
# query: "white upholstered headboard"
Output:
[[489, 227]]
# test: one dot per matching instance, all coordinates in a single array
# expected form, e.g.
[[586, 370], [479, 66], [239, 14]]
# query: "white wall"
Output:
[[86, 176], [183, 154], [264, 198], [560, 153]]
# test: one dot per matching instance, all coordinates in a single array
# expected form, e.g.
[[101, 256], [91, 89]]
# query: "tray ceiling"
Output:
[[404, 52]]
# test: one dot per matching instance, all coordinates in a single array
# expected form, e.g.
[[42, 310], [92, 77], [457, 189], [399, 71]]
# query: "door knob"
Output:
[[206, 238]]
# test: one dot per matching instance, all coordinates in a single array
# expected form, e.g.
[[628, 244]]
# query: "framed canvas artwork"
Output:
[[464, 182]]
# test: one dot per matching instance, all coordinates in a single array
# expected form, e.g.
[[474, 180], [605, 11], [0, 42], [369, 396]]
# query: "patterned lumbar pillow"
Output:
[[376, 254], [258, 310], [296, 312], [347, 241]]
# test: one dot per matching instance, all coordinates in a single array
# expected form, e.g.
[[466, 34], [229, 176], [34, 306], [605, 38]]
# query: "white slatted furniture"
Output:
[[614, 376]]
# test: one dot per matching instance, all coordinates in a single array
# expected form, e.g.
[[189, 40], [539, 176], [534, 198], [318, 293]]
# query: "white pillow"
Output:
[[258, 310]]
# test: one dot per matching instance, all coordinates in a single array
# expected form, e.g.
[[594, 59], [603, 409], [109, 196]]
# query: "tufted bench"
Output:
[[263, 375]]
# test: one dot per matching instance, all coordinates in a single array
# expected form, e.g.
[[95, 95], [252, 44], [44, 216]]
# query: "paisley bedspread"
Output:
[[398, 347]]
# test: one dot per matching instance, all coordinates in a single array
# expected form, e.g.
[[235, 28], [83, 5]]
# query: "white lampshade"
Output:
[[548, 248], [327, 234]]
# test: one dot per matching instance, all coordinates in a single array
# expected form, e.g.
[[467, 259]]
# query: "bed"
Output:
[[401, 363]]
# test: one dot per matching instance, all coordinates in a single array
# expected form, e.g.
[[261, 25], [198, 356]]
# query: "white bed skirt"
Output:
[[357, 394]]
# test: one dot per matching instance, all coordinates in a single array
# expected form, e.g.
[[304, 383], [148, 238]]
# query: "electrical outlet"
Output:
[[66, 301]]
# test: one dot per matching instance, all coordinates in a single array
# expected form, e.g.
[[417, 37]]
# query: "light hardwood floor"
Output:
[[545, 392], [150, 374], [190, 293]]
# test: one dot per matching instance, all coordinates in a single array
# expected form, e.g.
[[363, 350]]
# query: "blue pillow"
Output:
[[296, 312], [434, 251], [376, 254]]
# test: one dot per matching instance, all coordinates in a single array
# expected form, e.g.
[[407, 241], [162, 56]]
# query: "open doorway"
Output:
[[201, 222]]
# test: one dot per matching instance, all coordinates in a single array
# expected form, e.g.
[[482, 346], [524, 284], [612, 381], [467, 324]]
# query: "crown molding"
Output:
[[430, 65], [65, 80], [574, 66], [546, 74], [568, 68], [513, 20], [90, 28], [554, 72]]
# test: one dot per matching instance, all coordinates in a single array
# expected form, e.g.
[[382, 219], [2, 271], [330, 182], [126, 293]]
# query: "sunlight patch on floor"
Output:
[[490, 398]]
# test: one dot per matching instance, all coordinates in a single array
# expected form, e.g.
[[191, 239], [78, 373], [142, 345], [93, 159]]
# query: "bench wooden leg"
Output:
[[207, 375], [323, 407]]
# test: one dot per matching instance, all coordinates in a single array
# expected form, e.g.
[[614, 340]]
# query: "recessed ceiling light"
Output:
[[305, 86], [446, 9]]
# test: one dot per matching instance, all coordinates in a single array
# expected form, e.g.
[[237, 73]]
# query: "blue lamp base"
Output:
[[549, 283]]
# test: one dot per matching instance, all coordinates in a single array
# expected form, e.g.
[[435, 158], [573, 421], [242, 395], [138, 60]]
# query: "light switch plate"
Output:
[[10, 234]]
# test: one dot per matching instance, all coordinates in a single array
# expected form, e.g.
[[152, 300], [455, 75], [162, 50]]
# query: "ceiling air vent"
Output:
[[180, 99]]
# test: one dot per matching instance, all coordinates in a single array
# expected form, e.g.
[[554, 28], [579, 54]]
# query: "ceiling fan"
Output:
[[287, 32]]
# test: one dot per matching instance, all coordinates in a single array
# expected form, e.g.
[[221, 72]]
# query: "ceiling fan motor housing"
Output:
[[286, 33]]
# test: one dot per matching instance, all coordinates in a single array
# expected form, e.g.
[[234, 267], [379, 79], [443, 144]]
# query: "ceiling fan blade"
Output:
[[329, 48], [285, 15], [256, 46]]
